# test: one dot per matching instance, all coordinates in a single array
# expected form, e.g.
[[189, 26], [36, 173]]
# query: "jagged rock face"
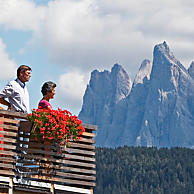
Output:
[[191, 70], [102, 95], [167, 118], [157, 111], [136, 105]]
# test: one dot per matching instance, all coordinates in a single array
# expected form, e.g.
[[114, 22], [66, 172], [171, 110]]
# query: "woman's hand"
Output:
[[1, 108]]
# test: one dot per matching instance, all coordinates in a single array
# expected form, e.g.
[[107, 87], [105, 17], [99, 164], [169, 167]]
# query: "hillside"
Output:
[[135, 170]]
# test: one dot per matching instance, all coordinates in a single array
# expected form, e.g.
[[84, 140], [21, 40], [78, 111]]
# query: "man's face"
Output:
[[25, 76]]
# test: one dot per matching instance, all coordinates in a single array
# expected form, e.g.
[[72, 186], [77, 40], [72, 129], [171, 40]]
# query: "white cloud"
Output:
[[7, 66], [90, 34], [70, 89], [21, 15]]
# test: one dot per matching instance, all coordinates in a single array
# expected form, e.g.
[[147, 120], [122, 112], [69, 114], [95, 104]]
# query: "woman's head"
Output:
[[48, 89]]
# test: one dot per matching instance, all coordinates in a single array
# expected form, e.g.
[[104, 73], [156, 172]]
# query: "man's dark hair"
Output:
[[48, 87], [22, 68]]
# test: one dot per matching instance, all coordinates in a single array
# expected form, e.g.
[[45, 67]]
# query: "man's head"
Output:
[[24, 73]]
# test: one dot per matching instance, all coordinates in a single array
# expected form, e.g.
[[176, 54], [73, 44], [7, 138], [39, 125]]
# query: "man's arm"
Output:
[[5, 93], [4, 102]]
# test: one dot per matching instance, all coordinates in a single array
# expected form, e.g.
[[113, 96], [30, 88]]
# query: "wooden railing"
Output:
[[30, 165]]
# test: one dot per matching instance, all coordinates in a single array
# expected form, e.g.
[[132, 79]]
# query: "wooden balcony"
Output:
[[31, 166]]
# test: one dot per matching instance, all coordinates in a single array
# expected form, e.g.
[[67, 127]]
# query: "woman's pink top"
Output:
[[44, 104]]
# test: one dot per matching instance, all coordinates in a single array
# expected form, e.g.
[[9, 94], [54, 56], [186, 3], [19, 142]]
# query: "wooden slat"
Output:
[[7, 159], [65, 168], [9, 120], [8, 127], [7, 165], [87, 140], [70, 145], [6, 172], [70, 156], [9, 153], [76, 176], [79, 145], [38, 145], [91, 127], [60, 161], [5, 139], [11, 147], [63, 175], [71, 181], [13, 114], [78, 151], [69, 175], [89, 134], [12, 134]]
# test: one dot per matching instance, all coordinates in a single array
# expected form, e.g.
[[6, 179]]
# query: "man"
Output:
[[16, 91]]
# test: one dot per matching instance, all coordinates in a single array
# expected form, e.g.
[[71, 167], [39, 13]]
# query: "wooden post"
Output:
[[52, 188], [10, 185]]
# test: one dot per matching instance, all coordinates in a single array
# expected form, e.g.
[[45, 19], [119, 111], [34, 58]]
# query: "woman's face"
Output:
[[52, 94]]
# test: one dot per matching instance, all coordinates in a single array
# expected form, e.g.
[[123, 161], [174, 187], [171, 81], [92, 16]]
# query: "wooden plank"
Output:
[[7, 165], [78, 151], [6, 172], [9, 153], [12, 147], [87, 140], [38, 145], [65, 168], [12, 121], [69, 156], [5, 139], [13, 114], [7, 159], [68, 175], [49, 153], [5, 126], [71, 145], [41, 152], [76, 176], [89, 134], [89, 126], [60, 161], [70, 181], [79, 145], [12, 134]]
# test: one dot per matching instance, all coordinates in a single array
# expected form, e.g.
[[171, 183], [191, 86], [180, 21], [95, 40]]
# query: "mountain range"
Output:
[[156, 109]]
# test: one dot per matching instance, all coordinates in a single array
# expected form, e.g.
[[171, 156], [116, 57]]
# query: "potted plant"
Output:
[[58, 126]]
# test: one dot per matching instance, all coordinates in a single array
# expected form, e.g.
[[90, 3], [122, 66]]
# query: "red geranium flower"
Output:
[[59, 125]]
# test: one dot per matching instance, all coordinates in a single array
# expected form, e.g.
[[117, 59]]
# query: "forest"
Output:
[[134, 170]]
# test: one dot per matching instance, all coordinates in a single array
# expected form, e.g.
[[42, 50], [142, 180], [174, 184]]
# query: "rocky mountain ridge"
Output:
[[157, 109]]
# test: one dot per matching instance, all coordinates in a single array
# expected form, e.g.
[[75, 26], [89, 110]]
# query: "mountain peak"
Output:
[[163, 50], [144, 72]]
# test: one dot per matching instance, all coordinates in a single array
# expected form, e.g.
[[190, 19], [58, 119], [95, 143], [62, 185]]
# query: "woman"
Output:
[[48, 92]]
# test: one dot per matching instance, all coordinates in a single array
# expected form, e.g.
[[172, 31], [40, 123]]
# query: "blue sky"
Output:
[[64, 40]]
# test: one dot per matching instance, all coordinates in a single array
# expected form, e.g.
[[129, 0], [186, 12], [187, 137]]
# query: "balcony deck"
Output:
[[31, 166]]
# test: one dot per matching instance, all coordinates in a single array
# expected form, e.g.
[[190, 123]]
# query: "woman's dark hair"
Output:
[[48, 87]]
